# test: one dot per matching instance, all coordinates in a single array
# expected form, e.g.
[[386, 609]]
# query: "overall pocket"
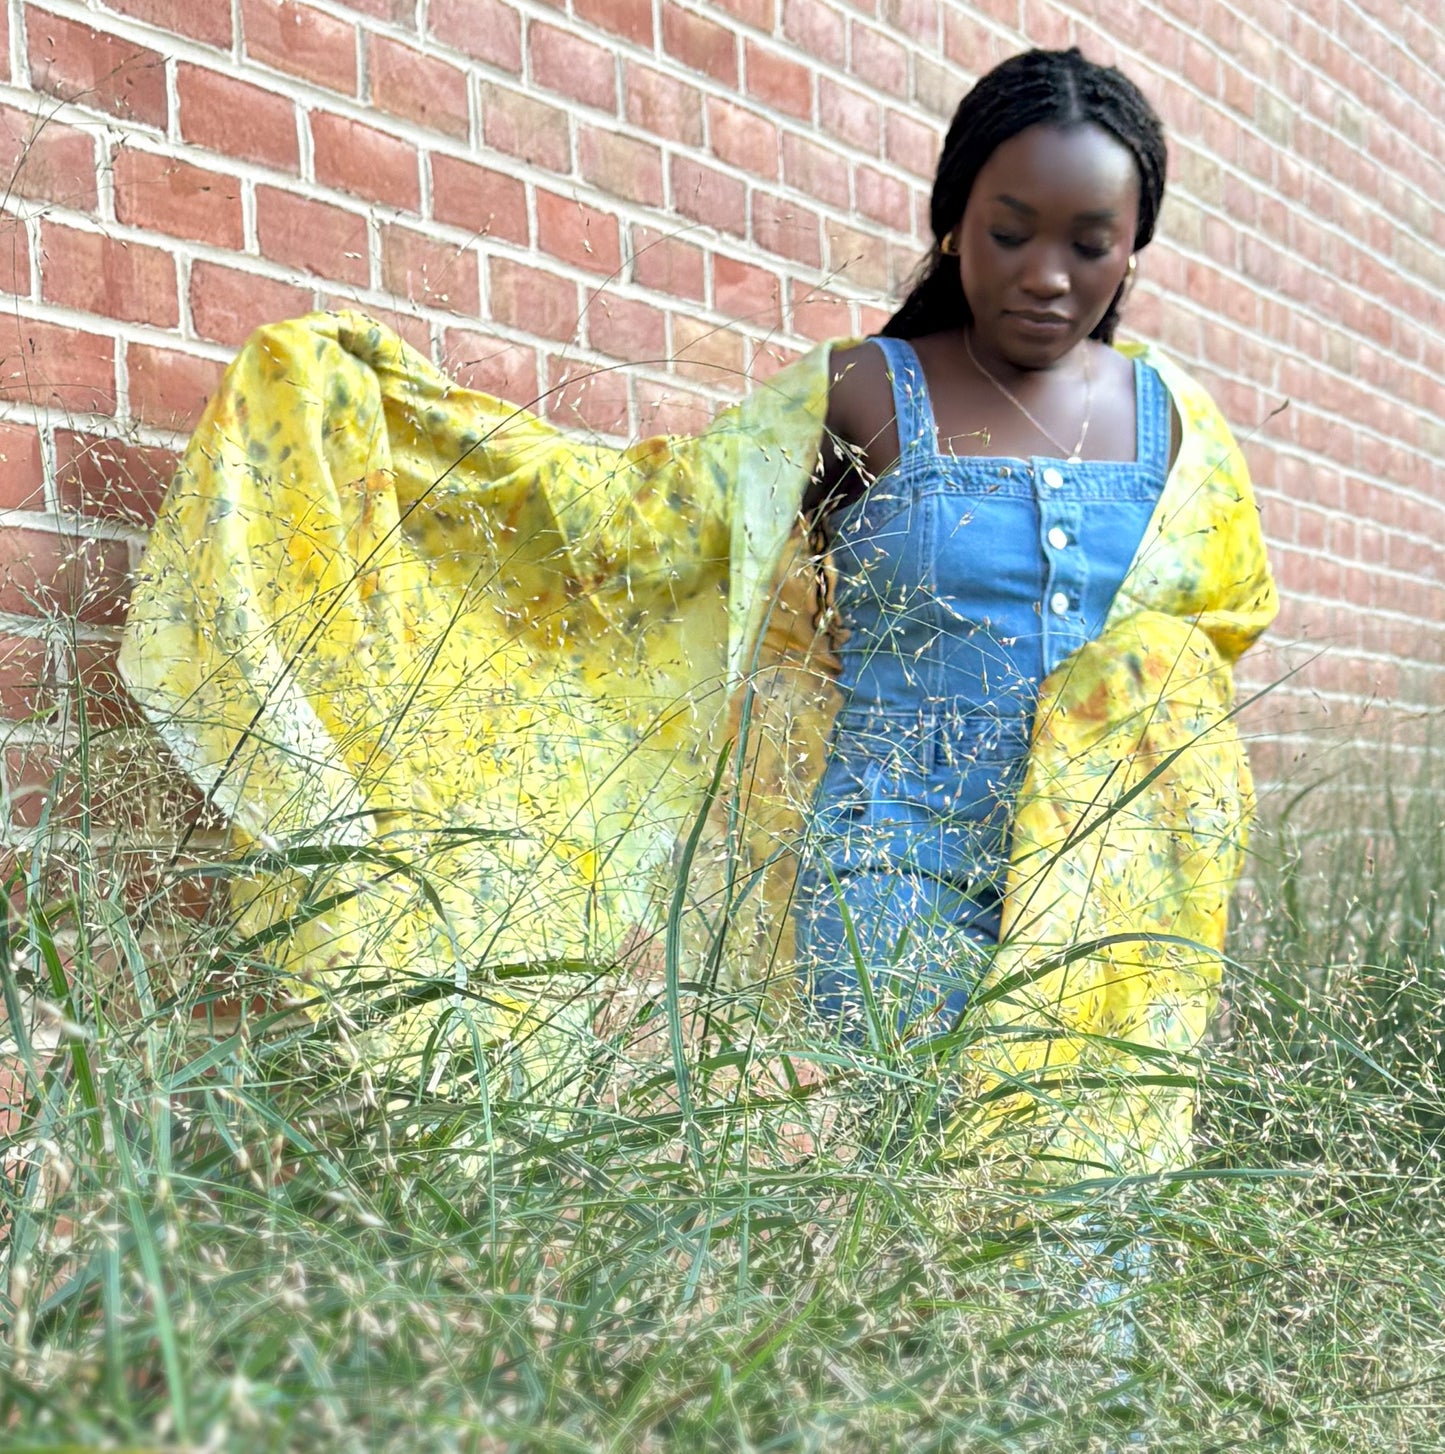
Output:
[[874, 792]]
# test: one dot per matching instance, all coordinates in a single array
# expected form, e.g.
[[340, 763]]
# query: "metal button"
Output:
[[1053, 479], [1058, 538], [1059, 603]]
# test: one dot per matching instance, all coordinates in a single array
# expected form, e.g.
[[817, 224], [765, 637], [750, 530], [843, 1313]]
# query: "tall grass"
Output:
[[219, 1233]]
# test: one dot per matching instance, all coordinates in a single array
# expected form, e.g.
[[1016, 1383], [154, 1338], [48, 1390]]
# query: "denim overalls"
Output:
[[962, 583]]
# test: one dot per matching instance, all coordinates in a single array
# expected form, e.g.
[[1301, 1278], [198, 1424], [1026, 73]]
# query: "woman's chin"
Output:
[[1035, 353], [1027, 343]]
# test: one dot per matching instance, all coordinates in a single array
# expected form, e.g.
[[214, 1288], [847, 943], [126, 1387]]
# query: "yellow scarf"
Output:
[[468, 678]]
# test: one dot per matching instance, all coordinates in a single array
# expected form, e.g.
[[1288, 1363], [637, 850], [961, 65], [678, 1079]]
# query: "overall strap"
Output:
[[917, 433], [1151, 411]]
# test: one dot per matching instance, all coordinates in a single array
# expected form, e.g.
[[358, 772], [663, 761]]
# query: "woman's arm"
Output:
[[836, 461], [858, 398]]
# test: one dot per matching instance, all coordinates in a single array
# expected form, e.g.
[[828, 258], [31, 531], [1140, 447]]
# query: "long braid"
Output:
[[1039, 87]]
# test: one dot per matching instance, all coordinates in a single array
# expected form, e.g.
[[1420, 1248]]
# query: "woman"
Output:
[[993, 464], [472, 683], [995, 503]]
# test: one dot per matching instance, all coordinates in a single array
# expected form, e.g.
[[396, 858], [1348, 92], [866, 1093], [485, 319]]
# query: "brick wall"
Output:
[[532, 190]]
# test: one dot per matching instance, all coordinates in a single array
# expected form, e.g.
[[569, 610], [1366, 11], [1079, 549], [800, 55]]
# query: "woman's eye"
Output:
[[1088, 250], [1007, 239]]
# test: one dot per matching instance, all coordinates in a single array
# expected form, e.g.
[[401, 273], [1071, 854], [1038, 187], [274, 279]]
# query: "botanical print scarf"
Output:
[[464, 684]]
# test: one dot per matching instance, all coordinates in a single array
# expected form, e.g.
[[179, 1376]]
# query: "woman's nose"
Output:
[[1045, 275]]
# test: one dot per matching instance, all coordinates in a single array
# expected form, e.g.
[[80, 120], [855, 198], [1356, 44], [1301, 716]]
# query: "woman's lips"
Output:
[[1040, 325]]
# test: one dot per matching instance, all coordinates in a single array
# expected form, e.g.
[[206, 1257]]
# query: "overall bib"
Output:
[[961, 583]]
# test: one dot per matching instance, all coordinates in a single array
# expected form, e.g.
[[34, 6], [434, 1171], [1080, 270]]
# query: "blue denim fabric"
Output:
[[962, 583]]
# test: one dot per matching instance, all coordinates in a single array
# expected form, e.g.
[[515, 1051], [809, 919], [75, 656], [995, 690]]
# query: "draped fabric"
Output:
[[464, 682], [1129, 836]]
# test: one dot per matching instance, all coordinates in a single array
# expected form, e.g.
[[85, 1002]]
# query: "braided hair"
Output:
[[1037, 88]]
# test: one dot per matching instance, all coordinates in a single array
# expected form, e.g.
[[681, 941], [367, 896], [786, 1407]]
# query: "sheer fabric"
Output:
[[469, 680]]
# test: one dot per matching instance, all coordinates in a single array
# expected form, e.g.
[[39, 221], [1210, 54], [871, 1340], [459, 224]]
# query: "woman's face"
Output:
[[1045, 240]]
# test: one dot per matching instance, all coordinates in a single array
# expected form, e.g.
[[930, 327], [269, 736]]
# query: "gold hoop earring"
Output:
[[948, 245], [1127, 286]]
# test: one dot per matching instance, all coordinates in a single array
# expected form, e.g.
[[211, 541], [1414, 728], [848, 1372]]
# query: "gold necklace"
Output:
[[1075, 455]]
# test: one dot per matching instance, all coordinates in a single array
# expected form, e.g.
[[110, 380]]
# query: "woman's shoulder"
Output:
[[860, 396], [856, 370]]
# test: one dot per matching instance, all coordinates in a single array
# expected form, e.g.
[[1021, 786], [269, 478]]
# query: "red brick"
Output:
[[174, 899], [816, 314], [527, 128], [742, 138], [209, 23], [27, 682], [36, 786], [44, 159], [237, 119], [667, 264], [708, 353], [228, 304], [787, 228], [871, 320], [112, 478], [708, 195], [631, 19], [54, 365], [315, 236], [625, 329], [492, 366], [936, 88], [395, 12], [578, 234], [745, 292], [760, 14], [1221, 240], [22, 475], [861, 257], [432, 274], [163, 194], [95, 273], [912, 145], [1045, 25], [301, 41], [667, 409], [1239, 91], [418, 87], [878, 60], [883, 197], [816, 30], [95, 70], [848, 115], [63, 575], [780, 82], [14, 256], [663, 105], [1241, 200], [487, 30], [620, 165], [169, 388], [587, 397], [700, 43], [574, 67], [485, 202], [813, 169], [356, 158], [531, 300]]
